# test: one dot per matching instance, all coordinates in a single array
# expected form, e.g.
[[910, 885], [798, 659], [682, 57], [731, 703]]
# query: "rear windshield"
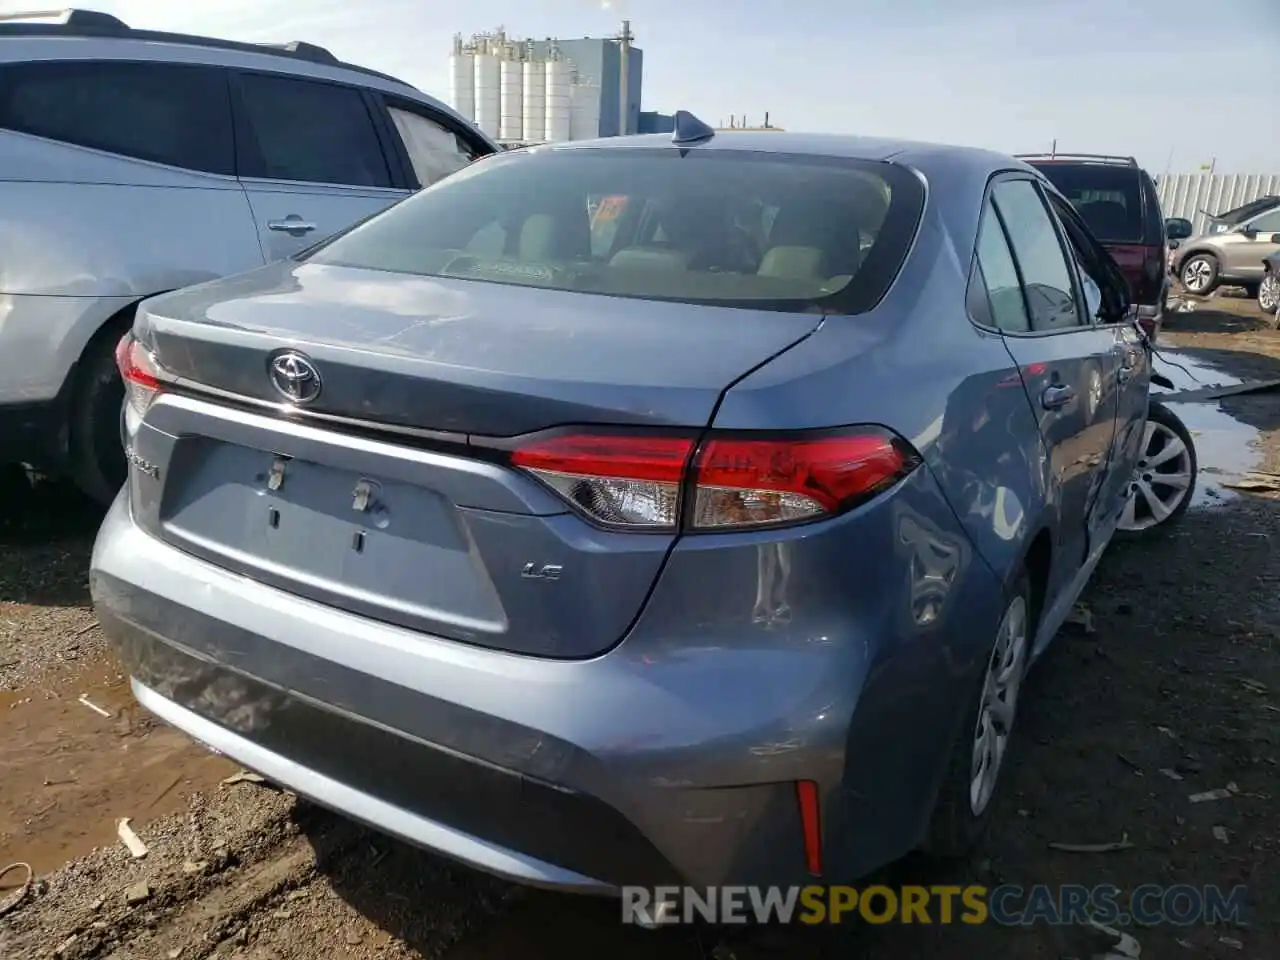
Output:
[[1108, 199], [730, 228]]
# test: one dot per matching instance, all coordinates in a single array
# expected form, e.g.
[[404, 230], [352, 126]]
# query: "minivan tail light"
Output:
[[729, 482], [140, 372]]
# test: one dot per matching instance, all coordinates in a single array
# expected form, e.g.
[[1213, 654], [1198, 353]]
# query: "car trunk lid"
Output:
[[437, 537], [460, 356]]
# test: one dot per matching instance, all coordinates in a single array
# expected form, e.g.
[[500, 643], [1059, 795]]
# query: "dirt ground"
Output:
[[1171, 690]]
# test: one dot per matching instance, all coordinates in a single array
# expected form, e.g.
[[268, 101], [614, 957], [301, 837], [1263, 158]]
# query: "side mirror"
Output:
[[1275, 238], [1174, 244], [1249, 232], [1177, 228]]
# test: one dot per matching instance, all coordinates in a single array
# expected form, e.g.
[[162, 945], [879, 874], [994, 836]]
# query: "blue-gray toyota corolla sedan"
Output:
[[660, 509]]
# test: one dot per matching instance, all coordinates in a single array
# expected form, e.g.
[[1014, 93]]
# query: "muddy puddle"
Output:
[[1189, 373], [1226, 448], [76, 754]]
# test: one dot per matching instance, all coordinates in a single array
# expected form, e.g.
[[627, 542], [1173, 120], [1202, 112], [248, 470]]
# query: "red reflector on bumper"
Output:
[[811, 821]]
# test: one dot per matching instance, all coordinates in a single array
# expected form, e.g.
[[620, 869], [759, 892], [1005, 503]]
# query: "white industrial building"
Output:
[[538, 91]]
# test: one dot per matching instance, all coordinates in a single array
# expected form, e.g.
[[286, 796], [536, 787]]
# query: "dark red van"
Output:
[[1117, 199]]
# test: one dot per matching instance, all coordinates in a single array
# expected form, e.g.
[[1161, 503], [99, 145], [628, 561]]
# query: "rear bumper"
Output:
[[519, 767], [671, 759], [391, 782]]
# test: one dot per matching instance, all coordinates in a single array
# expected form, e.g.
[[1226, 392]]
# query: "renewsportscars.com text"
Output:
[[1008, 905]]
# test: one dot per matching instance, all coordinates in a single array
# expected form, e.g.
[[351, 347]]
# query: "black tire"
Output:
[[15, 490], [96, 456], [1195, 260], [955, 829], [1159, 413]]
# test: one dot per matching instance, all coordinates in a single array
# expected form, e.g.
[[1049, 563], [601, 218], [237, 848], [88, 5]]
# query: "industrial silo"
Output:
[[558, 104], [488, 97], [535, 99], [511, 98], [462, 80]]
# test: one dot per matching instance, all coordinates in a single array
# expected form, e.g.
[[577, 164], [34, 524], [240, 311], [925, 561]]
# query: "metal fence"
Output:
[[1188, 194]]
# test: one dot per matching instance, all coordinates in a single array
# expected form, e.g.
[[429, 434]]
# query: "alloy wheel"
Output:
[[1196, 275], [1000, 690], [1269, 293], [1161, 480]]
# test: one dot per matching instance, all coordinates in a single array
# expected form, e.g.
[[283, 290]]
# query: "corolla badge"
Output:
[[294, 377]]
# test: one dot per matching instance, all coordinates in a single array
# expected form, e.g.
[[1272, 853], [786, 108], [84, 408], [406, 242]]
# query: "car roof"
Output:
[[95, 39], [920, 155]]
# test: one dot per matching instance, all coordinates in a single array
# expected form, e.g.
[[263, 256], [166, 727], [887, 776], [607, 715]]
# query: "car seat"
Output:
[[812, 240], [1107, 219]]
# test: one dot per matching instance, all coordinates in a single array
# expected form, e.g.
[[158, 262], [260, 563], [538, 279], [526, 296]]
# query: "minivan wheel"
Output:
[[1200, 274], [1164, 477], [978, 757], [97, 459], [1269, 294]]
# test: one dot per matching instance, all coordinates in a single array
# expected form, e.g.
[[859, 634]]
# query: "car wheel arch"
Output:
[[1037, 562], [1184, 255], [116, 323], [1189, 255]]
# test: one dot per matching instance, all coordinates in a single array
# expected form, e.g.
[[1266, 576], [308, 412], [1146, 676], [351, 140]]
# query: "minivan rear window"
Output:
[[717, 227], [1107, 198]]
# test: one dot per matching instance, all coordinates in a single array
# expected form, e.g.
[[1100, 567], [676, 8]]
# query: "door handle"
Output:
[[1056, 396], [293, 225]]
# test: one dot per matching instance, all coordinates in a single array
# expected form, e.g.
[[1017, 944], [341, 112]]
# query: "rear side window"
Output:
[[1008, 310], [311, 132], [1033, 237], [167, 113], [1267, 223], [1246, 210], [767, 231], [1108, 198], [434, 151]]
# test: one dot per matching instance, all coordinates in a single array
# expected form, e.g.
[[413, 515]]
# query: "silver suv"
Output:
[[134, 162], [1232, 255]]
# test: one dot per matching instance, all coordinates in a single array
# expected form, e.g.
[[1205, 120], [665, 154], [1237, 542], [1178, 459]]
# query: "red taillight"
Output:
[[749, 482], [623, 481], [139, 371], [639, 481]]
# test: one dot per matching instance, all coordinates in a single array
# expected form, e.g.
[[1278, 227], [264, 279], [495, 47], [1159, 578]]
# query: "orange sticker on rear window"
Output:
[[609, 209]]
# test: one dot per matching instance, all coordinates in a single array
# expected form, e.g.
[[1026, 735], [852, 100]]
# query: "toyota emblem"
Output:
[[295, 377]]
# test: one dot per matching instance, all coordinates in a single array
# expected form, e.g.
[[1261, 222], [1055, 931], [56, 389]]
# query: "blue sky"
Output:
[[1144, 77]]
